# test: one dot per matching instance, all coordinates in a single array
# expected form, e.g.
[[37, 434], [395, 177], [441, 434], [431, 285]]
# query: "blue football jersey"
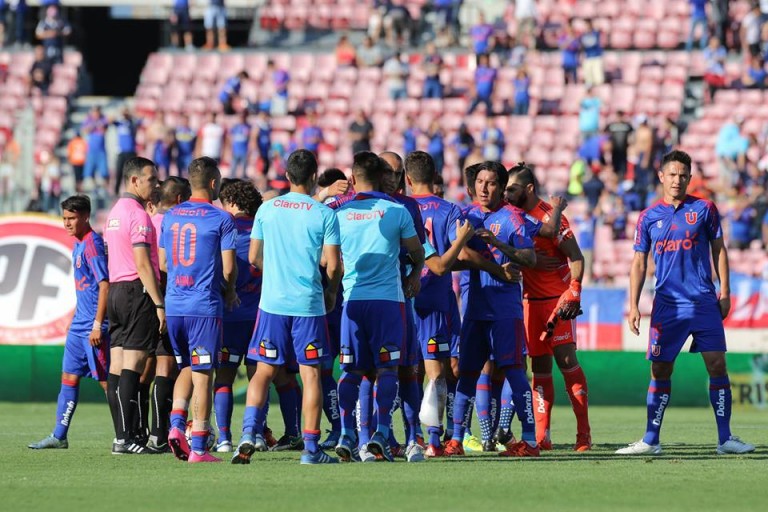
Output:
[[248, 276], [194, 234], [679, 239], [90, 262]]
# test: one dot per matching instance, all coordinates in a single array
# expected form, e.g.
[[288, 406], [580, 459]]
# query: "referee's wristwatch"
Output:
[[159, 306]]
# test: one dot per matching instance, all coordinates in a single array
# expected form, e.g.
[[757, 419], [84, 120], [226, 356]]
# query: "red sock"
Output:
[[543, 400], [576, 386]]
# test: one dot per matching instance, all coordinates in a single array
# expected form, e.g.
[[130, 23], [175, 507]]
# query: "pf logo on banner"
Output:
[[37, 289]]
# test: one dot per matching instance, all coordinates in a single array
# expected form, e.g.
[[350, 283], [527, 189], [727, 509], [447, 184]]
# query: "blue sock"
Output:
[[287, 397], [449, 399], [365, 412], [409, 395], [483, 405], [223, 403], [330, 398], [199, 441], [720, 398], [496, 387], [522, 396], [386, 391], [311, 437], [65, 407], [434, 436], [179, 419], [507, 407], [349, 390], [465, 391], [254, 419], [659, 392]]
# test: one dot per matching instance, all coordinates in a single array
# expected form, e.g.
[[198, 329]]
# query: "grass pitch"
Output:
[[688, 476]]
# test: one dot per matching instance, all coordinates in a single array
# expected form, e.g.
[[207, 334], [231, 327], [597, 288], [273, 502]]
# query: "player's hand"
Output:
[[558, 202], [547, 262], [487, 237], [161, 318], [338, 188], [412, 285], [95, 338], [633, 319], [231, 299], [569, 305], [330, 300], [725, 306], [464, 231], [511, 273]]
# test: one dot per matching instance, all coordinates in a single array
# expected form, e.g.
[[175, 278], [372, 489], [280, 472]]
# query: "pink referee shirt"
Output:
[[128, 226]]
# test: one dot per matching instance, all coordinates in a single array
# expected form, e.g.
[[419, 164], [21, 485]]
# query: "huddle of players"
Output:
[[201, 246]]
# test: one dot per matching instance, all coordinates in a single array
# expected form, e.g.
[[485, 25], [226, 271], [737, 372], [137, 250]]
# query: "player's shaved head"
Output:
[[202, 171], [395, 161], [368, 168], [243, 195], [420, 167], [330, 176], [302, 167], [173, 191]]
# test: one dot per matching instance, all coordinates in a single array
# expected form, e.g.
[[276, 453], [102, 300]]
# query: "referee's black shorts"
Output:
[[133, 323]]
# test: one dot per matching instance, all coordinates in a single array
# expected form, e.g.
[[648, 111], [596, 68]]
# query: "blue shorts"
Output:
[[81, 359], [215, 16], [196, 341], [412, 354], [671, 326], [334, 331], [372, 334], [288, 340], [96, 163], [454, 326], [432, 333], [502, 339], [237, 336]]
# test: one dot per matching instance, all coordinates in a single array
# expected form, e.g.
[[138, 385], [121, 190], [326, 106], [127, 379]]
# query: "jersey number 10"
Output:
[[184, 243]]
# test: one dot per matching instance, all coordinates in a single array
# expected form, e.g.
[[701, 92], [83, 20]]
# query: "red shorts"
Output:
[[536, 313]]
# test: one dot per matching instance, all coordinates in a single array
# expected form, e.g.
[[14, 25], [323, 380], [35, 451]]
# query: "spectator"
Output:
[[126, 128], [240, 143], [698, 19], [215, 23], [3, 16], [619, 131], [714, 76], [522, 84], [95, 127], [278, 104], [570, 47], [525, 14], [764, 42], [584, 227], [369, 54], [40, 74], [17, 10], [49, 181], [480, 34], [447, 12], [398, 24], [592, 150], [592, 66], [230, 93], [754, 76], [576, 178], [181, 24], [264, 139], [485, 79], [740, 220], [445, 38], [464, 144], [589, 113], [432, 64], [396, 76], [436, 147], [210, 140], [731, 150], [361, 132], [493, 142], [346, 56], [410, 135], [77, 149], [185, 142], [517, 53], [669, 136], [51, 31], [593, 186], [312, 135], [750, 30], [721, 20], [162, 153]]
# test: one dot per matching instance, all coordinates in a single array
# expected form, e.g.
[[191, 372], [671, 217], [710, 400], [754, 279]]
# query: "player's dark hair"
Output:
[[492, 166], [368, 167], [225, 182], [172, 188], [78, 204], [330, 176], [523, 174], [302, 166], [420, 167], [677, 156], [470, 176], [438, 180], [134, 166], [244, 195], [202, 171], [156, 196]]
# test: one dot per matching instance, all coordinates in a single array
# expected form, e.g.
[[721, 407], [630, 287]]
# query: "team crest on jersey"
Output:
[[659, 224], [78, 261], [313, 351], [386, 355], [267, 349], [495, 228], [200, 356], [691, 217]]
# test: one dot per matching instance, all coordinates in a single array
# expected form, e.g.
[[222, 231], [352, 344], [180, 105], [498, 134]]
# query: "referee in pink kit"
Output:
[[134, 305]]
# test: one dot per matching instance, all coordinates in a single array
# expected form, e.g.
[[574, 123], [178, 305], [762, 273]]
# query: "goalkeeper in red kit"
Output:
[[552, 295]]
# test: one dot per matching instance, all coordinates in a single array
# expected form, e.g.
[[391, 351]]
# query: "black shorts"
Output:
[[163, 347], [133, 323]]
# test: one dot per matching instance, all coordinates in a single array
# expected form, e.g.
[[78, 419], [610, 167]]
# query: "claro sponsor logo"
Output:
[[37, 288]]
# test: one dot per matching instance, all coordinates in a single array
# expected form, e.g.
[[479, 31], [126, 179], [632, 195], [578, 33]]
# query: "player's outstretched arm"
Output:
[[337, 188], [148, 280], [636, 281], [256, 253], [412, 283], [442, 264], [469, 259], [524, 257], [570, 301], [722, 268], [551, 228]]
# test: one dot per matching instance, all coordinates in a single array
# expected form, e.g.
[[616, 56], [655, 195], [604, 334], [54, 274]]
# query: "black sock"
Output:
[[128, 396], [162, 403], [114, 407], [142, 419]]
